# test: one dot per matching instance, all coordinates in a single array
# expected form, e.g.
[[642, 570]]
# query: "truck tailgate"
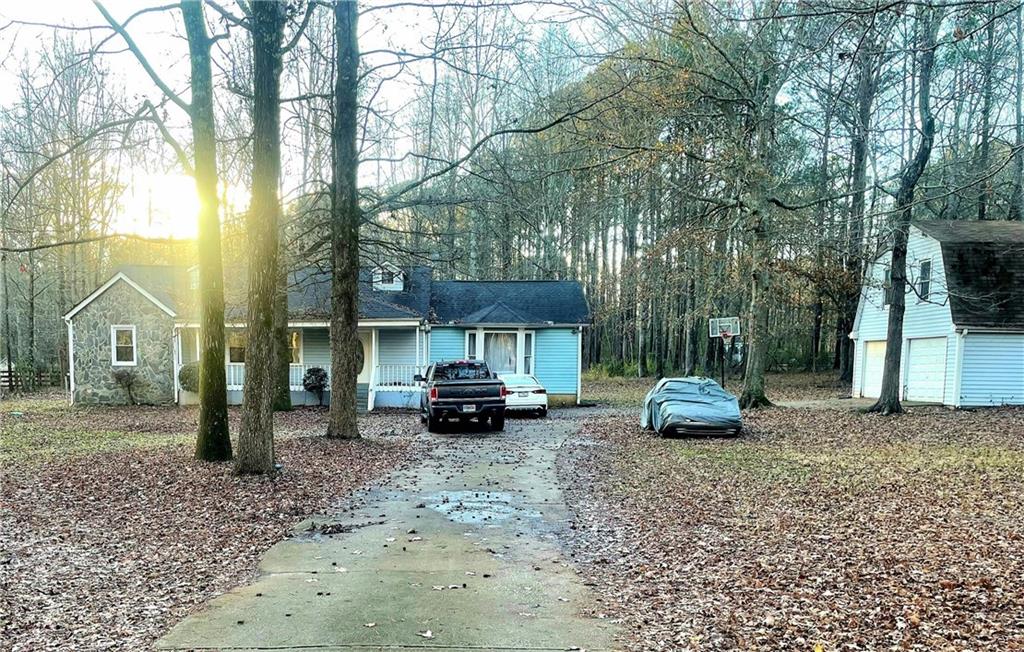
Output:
[[469, 389]]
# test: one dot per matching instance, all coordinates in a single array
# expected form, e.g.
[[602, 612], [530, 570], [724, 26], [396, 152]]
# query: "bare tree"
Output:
[[928, 20], [256, 436], [345, 219]]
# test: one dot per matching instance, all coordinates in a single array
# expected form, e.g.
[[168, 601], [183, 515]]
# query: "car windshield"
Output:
[[462, 371], [519, 379]]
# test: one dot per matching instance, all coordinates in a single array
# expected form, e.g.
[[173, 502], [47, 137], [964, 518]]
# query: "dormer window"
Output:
[[388, 278]]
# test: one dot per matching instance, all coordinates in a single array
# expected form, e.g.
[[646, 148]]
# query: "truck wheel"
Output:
[[498, 422]]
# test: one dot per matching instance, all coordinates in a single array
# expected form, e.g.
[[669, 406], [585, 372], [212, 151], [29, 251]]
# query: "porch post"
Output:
[[521, 350], [371, 394], [176, 359]]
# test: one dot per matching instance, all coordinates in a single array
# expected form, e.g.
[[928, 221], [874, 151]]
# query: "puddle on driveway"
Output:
[[479, 507]]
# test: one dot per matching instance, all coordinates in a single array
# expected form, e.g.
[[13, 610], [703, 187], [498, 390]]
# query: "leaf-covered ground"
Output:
[[104, 544], [43, 427], [628, 392], [825, 528]]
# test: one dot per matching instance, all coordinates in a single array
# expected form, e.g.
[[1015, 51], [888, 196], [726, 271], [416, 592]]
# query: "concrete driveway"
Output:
[[459, 551]]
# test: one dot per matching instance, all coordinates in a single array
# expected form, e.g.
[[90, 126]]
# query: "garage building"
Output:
[[963, 331]]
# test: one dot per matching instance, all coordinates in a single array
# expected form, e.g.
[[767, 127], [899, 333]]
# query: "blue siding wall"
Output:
[[556, 362], [993, 370], [316, 346], [952, 344], [555, 350], [396, 346], [447, 344]]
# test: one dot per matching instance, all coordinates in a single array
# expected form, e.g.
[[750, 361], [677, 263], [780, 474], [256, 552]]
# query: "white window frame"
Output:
[[922, 296], [113, 345], [227, 344], [520, 345], [397, 283]]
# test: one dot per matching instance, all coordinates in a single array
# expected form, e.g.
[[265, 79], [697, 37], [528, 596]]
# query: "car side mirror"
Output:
[[418, 378]]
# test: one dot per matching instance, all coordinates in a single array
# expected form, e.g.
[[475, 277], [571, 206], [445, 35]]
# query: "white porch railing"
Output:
[[296, 372], [388, 377], [395, 377], [236, 375]]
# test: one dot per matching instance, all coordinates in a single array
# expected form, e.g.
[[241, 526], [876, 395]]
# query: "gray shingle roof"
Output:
[[462, 302], [167, 283], [984, 265], [508, 302]]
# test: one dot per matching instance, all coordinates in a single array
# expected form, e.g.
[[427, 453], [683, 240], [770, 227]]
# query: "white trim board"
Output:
[[120, 276], [114, 362], [363, 323]]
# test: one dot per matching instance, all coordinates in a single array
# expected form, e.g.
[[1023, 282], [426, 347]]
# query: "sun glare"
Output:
[[166, 206]]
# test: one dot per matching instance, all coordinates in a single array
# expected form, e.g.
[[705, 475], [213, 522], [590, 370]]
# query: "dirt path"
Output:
[[459, 551]]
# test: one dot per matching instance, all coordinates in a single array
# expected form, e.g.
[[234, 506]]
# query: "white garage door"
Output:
[[871, 373], [926, 369]]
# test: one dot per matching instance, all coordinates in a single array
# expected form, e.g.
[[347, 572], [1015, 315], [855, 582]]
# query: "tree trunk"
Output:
[[753, 395], [1016, 210], [985, 187], [31, 350], [256, 436], [212, 441], [889, 399], [345, 218], [867, 85], [282, 352]]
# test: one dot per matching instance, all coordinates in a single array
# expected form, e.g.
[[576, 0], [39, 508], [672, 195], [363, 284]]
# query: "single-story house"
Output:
[[963, 329], [145, 318]]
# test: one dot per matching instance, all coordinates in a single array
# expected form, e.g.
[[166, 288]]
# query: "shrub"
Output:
[[315, 381], [128, 379], [188, 377]]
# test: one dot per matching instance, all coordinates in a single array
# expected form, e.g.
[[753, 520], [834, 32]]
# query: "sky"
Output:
[[161, 203]]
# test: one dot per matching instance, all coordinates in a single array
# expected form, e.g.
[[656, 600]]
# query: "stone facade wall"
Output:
[[94, 382]]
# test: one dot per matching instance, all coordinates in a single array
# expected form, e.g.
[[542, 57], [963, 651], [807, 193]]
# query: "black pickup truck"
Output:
[[462, 389]]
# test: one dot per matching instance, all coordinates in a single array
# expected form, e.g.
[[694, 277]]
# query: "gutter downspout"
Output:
[[959, 366], [71, 360], [579, 365]]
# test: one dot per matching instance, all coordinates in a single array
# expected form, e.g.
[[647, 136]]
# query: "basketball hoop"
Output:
[[723, 328], [726, 336]]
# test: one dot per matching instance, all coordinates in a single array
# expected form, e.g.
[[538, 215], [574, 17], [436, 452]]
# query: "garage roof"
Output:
[[984, 265]]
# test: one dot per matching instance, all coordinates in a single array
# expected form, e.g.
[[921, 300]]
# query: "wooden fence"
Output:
[[14, 380]]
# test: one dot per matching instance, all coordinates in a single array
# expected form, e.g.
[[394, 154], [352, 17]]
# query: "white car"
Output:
[[525, 393]]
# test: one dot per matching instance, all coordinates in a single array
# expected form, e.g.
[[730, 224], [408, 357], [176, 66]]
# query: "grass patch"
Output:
[[28, 443], [851, 467]]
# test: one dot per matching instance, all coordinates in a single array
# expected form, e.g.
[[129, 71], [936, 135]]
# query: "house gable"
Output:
[[926, 316], [120, 276], [92, 357]]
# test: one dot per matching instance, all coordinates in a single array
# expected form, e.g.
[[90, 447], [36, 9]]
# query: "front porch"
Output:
[[392, 355]]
